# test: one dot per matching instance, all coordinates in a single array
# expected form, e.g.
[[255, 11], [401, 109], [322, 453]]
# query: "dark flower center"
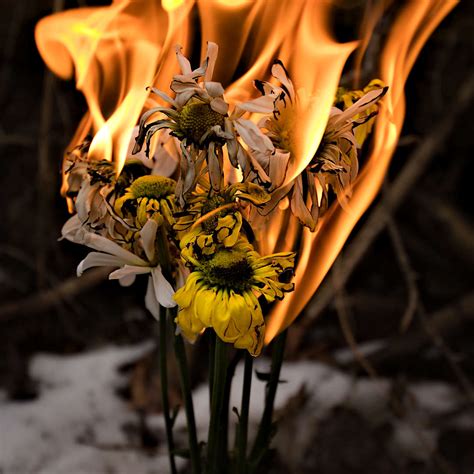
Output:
[[228, 269], [196, 118]]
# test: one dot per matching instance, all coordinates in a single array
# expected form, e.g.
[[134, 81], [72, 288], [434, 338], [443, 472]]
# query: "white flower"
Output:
[[335, 164], [108, 253]]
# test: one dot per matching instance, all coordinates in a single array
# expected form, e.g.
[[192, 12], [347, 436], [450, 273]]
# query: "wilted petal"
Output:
[[253, 136], [212, 51], [263, 105], [183, 62], [219, 105], [298, 205], [214, 89], [214, 168], [279, 72]]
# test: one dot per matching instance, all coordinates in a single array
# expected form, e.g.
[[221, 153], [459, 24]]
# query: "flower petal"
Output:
[[148, 235], [212, 51], [151, 303], [183, 62], [126, 275], [163, 290], [98, 259]]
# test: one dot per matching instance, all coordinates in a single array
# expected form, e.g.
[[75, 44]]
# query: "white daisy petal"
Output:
[[126, 275], [151, 303], [97, 242], [97, 259], [163, 290], [148, 235], [71, 228]]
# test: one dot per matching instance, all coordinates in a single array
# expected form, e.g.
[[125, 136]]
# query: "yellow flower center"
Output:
[[196, 118], [284, 125], [229, 269], [154, 187]]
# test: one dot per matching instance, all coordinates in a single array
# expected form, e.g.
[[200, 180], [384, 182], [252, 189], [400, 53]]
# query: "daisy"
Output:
[[108, 253], [199, 118], [222, 293], [335, 164], [217, 219]]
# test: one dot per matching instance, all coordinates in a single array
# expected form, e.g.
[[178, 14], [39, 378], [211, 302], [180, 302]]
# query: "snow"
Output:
[[76, 424]]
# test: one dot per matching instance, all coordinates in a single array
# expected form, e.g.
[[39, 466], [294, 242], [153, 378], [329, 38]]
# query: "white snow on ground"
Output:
[[78, 412]]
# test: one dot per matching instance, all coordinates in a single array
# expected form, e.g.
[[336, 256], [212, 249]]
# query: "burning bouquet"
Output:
[[193, 197], [233, 201]]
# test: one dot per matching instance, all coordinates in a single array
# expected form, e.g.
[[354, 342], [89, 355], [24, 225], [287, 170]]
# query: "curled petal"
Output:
[[212, 51], [219, 105], [214, 89], [183, 62]]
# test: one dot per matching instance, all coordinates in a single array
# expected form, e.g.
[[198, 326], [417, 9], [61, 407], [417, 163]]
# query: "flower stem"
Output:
[[180, 353], [216, 427], [212, 355], [164, 388], [266, 428], [244, 416]]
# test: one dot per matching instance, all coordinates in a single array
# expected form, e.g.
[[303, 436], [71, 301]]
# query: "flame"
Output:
[[318, 251], [115, 52]]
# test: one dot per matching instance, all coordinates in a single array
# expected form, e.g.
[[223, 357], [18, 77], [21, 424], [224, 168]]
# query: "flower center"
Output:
[[155, 187], [283, 126], [228, 269], [196, 118], [210, 224]]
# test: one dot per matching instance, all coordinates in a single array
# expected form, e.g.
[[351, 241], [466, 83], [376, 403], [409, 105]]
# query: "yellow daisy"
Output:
[[222, 292], [216, 219], [148, 197]]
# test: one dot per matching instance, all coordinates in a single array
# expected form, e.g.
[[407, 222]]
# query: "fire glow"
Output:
[[116, 52]]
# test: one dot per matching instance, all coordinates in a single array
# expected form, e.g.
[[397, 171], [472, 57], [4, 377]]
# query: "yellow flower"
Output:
[[216, 219], [222, 292], [148, 197]]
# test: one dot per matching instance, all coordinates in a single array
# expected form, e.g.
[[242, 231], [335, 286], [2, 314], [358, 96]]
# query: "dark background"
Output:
[[432, 227]]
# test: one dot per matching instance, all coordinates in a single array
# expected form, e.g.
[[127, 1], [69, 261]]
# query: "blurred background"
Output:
[[380, 367]]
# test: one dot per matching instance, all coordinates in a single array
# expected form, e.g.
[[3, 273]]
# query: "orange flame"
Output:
[[115, 52], [318, 251]]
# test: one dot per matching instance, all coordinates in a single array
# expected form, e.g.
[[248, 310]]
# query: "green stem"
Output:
[[188, 401], [216, 427], [266, 428], [212, 355], [244, 416], [164, 389]]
